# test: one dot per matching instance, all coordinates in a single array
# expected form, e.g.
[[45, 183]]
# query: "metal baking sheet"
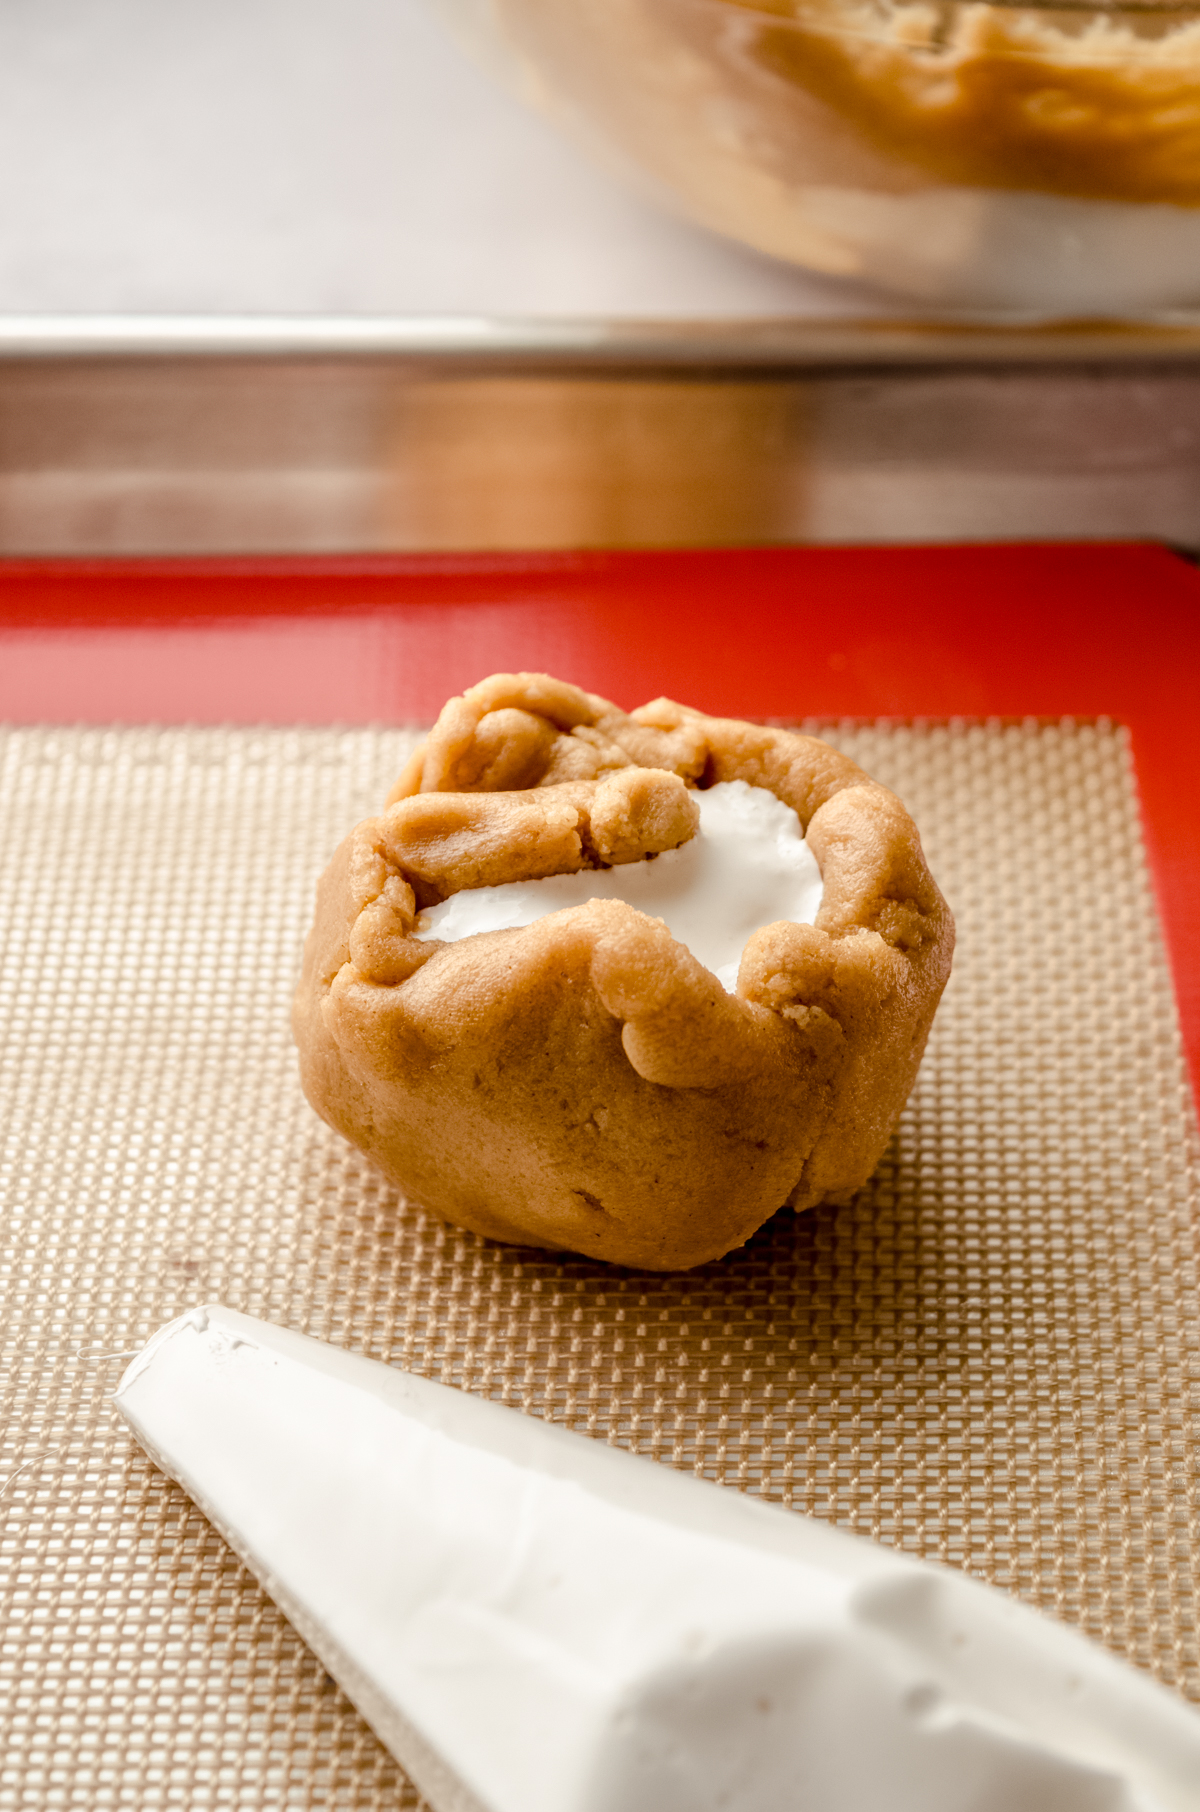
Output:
[[182, 435]]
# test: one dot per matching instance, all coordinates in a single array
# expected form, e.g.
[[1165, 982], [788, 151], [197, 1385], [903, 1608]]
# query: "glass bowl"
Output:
[[990, 156]]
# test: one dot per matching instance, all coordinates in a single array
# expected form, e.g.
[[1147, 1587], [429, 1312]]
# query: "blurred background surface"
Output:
[[321, 156], [344, 158]]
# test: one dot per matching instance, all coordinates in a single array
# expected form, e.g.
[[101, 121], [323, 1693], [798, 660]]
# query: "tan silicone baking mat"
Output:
[[991, 1356]]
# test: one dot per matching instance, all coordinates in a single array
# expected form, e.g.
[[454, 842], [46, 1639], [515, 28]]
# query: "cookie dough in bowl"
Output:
[[621, 984], [1023, 155]]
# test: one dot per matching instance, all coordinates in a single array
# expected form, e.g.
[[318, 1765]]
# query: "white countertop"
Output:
[[322, 157]]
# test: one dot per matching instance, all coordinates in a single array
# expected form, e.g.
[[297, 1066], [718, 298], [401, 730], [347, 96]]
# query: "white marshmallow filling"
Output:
[[747, 866]]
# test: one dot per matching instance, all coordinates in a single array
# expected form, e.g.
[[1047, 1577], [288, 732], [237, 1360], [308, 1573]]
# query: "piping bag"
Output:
[[535, 1622]]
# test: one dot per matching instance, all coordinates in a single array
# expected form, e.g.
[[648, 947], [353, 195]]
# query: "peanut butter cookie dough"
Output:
[[1011, 97], [584, 1082]]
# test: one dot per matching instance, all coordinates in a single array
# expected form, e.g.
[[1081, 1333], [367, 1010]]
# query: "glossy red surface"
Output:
[[1005, 631]]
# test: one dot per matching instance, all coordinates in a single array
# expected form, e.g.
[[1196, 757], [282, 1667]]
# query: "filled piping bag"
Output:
[[535, 1622]]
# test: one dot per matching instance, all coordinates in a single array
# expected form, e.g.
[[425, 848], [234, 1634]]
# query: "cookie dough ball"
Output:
[[584, 1082]]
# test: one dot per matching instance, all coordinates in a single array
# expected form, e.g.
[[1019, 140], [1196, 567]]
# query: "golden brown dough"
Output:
[[1069, 100], [584, 1082]]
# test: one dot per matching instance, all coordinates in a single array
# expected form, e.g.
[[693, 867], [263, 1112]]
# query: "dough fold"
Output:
[[584, 1082]]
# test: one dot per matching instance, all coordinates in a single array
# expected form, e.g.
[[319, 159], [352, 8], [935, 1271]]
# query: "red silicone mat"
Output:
[[928, 633], [990, 1357]]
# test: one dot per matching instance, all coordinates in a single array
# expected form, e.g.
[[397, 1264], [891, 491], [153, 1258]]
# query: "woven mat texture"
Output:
[[992, 1356]]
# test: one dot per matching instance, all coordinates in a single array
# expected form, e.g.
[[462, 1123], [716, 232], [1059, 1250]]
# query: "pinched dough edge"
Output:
[[585, 1082]]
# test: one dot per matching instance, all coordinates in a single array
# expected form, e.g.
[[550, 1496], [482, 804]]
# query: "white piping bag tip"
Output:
[[534, 1622]]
